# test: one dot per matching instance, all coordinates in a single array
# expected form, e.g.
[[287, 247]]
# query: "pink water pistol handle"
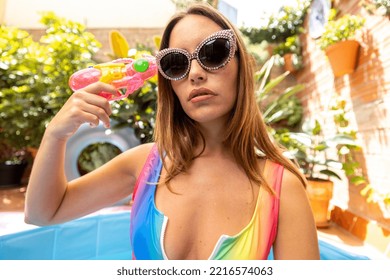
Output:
[[125, 74]]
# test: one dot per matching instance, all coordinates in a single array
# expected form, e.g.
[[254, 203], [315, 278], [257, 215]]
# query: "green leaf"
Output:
[[273, 83], [330, 173], [302, 138], [291, 91], [358, 180], [341, 139], [321, 147]]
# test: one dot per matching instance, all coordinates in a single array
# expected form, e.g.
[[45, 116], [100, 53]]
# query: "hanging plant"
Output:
[[338, 42], [342, 29]]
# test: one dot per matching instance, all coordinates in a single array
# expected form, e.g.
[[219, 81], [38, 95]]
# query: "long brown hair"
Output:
[[246, 135]]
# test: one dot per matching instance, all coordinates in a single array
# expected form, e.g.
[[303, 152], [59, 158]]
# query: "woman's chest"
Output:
[[202, 208]]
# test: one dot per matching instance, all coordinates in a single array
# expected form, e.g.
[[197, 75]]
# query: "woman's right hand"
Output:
[[83, 106], [50, 197]]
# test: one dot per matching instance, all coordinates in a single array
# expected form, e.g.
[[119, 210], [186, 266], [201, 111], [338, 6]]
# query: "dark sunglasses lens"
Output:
[[174, 65], [215, 52]]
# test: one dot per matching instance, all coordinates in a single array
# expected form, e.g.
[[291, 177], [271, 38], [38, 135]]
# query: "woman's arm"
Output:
[[50, 198], [297, 234]]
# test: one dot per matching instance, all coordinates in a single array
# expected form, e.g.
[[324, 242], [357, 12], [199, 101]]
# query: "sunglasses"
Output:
[[212, 53]]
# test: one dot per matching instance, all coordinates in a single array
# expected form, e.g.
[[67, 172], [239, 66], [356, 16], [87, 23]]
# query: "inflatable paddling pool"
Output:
[[100, 237]]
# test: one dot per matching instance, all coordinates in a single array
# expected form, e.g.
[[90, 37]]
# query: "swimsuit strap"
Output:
[[149, 163], [275, 177]]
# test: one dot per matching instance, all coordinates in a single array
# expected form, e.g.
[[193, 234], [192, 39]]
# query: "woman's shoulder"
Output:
[[290, 180], [296, 238], [132, 160], [140, 152], [293, 194], [143, 148]]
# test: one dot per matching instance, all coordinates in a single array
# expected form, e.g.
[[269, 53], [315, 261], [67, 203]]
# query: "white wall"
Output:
[[253, 12], [123, 13], [92, 13]]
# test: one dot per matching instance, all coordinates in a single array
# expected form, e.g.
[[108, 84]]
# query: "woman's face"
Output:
[[206, 96]]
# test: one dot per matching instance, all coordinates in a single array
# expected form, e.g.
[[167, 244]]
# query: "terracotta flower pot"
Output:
[[320, 193], [288, 62], [343, 57]]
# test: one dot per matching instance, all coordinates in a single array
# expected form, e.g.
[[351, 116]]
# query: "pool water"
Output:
[[100, 237]]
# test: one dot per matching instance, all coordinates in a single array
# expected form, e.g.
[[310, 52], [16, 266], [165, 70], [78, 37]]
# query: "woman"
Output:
[[213, 172]]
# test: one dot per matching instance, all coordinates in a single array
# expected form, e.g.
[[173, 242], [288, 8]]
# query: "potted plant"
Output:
[[32, 86], [291, 52], [13, 163], [338, 42], [318, 157], [17, 74], [279, 105]]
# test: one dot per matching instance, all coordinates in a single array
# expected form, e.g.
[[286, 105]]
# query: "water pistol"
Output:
[[125, 74]]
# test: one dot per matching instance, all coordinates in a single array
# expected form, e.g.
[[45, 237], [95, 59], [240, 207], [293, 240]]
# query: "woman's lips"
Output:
[[200, 94]]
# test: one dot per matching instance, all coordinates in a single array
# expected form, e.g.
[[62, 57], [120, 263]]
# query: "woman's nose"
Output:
[[197, 73]]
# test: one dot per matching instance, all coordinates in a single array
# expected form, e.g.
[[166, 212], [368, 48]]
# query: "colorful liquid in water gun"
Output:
[[125, 74]]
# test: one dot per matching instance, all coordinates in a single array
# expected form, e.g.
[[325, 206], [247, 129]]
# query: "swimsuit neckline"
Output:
[[223, 237]]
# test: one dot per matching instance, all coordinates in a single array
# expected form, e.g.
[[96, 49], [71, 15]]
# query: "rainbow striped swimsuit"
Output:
[[147, 224]]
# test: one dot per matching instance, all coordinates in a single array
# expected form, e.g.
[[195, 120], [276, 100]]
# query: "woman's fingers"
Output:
[[100, 109], [84, 106], [90, 101], [99, 87], [82, 99], [92, 119]]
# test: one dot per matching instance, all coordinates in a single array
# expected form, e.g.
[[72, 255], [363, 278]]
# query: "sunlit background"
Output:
[[295, 81], [120, 13]]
